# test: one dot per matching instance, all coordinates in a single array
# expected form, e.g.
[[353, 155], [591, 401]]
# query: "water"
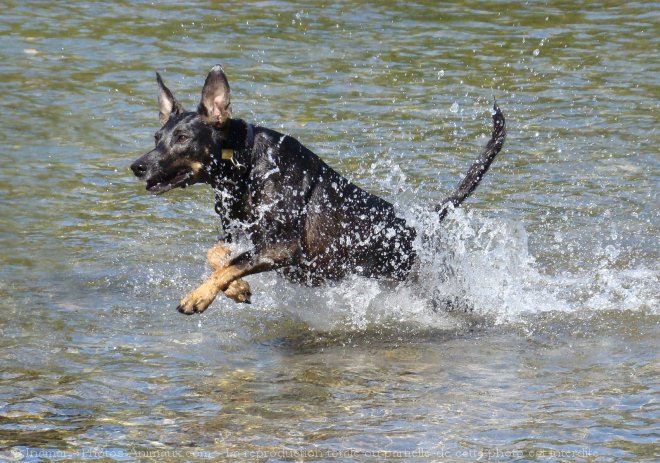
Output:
[[550, 352]]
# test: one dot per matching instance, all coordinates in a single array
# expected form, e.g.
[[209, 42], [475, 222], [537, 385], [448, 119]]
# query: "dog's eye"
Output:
[[182, 138]]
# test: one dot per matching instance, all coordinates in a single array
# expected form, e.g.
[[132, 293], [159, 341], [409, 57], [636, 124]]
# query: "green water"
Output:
[[556, 255]]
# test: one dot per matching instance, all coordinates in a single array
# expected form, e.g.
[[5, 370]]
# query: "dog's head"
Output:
[[185, 139]]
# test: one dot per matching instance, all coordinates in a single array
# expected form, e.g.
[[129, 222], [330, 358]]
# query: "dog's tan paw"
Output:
[[218, 256], [198, 300], [239, 291]]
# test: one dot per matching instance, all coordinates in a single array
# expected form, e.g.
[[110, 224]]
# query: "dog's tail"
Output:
[[479, 168]]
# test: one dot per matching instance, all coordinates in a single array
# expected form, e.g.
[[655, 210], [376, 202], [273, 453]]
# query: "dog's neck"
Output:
[[231, 153], [229, 169], [236, 134]]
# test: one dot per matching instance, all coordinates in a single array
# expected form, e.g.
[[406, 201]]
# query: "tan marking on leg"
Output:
[[218, 257], [200, 299], [239, 291], [236, 289]]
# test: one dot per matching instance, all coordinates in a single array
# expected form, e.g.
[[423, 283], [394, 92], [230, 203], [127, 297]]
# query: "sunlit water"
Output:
[[530, 332]]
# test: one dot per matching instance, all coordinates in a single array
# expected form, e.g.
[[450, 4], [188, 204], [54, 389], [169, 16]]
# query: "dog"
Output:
[[301, 217]]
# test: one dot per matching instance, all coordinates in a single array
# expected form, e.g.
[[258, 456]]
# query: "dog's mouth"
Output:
[[181, 179]]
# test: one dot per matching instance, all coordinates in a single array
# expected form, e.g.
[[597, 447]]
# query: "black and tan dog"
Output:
[[301, 216]]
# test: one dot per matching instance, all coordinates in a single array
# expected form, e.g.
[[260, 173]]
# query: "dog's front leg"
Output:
[[218, 258], [267, 257]]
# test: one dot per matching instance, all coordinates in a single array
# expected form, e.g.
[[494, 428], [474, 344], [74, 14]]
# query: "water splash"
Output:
[[472, 270]]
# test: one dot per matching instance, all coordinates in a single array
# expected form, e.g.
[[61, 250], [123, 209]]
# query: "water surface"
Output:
[[555, 257]]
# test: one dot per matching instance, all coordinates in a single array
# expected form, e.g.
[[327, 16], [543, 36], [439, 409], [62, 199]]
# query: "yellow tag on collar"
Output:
[[227, 154]]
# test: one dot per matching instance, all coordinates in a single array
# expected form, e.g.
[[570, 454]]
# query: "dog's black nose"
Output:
[[139, 168]]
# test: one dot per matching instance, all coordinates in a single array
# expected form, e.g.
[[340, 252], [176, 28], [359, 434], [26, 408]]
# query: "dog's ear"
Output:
[[215, 107], [167, 104]]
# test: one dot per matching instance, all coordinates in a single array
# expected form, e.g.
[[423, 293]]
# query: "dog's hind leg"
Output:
[[267, 257], [218, 258]]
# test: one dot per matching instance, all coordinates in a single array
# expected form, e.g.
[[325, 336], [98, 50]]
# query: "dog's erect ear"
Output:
[[167, 104], [215, 107]]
